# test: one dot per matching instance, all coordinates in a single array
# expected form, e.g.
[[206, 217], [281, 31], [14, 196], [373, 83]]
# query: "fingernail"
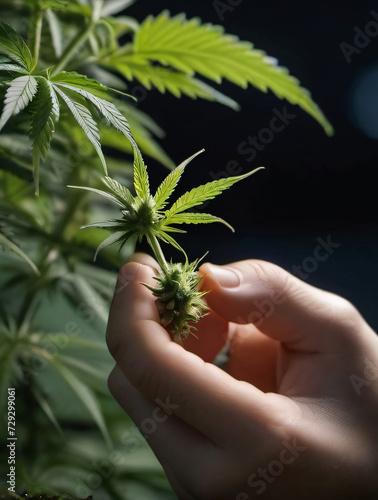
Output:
[[126, 276], [226, 276]]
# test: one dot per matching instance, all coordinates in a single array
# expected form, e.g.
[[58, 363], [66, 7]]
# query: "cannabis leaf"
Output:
[[44, 95], [143, 215], [7, 245], [45, 112], [12, 45], [168, 51], [19, 94]]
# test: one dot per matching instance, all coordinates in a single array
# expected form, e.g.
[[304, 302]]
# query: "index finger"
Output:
[[199, 393]]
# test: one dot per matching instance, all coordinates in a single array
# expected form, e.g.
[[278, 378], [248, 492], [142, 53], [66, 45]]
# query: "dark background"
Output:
[[313, 185]]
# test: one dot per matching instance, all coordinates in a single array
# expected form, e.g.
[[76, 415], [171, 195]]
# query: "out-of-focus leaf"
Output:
[[6, 244], [85, 395]]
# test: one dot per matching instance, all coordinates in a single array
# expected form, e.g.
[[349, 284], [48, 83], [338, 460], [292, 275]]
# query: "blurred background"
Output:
[[313, 211], [313, 185]]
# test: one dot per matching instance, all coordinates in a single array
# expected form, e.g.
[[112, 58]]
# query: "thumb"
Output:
[[302, 317]]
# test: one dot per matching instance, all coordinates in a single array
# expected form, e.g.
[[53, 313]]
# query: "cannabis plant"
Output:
[[68, 117], [179, 300]]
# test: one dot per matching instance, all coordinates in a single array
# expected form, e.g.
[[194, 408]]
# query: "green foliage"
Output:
[[65, 71], [179, 300], [186, 47], [14, 47], [142, 215]]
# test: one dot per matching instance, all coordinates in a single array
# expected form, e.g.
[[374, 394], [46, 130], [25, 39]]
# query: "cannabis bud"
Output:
[[179, 300]]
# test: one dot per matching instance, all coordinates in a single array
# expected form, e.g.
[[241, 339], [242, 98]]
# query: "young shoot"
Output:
[[179, 301]]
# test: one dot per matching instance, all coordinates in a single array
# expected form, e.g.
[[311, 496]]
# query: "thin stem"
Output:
[[155, 245], [72, 48], [35, 36]]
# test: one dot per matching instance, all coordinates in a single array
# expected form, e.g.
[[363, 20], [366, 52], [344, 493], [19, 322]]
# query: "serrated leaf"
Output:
[[19, 94], [203, 193], [12, 247], [82, 82], [195, 218], [14, 46], [141, 182], [45, 112], [190, 48], [169, 184], [108, 110], [85, 395], [163, 79], [112, 7], [122, 194], [84, 118], [12, 68]]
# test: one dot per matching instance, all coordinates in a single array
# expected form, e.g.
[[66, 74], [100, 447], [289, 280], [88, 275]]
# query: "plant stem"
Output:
[[35, 36], [72, 48], [154, 244]]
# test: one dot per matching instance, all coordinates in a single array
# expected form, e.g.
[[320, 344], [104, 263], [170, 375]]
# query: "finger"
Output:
[[211, 336], [203, 396], [146, 260], [253, 358], [177, 446], [283, 307]]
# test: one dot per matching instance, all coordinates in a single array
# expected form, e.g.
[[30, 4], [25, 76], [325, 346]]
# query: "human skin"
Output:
[[293, 414]]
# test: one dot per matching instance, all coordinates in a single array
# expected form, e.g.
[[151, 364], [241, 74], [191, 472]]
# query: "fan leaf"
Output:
[[7, 245], [84, 118], [19, 94], [203, 193], [14, 47], [45, 112], [85, 395], [169, 184], [196, 218], [120, 192], [141, 182], [189, 48]]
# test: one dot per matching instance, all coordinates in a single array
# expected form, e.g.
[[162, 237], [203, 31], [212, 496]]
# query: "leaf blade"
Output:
[[45, 112], [85, 119], [14, 46], [197, 218], [19, 94], [141, 181], [208, 191], [85, 395], [169, 184], [189, 48], [12, 247]]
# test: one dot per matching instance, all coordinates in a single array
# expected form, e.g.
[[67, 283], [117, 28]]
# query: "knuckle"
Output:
[[272, 278], [346, 313]]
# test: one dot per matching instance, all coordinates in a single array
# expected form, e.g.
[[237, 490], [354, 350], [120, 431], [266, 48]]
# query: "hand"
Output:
[[295, 413]]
